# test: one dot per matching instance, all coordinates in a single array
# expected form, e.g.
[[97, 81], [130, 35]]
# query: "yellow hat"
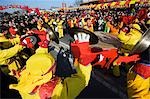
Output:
[[136, 26]]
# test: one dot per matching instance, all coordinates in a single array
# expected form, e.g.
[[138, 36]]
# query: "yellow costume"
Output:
[[50, 23], [129, 40], [60, 28]]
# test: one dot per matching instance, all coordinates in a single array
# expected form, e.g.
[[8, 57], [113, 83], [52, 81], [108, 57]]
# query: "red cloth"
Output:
[[127, 59], [1, 8], [42, 35], [46, 90], [83, 52], [142, 70], [44, 44], [109, 56], [37, 11]]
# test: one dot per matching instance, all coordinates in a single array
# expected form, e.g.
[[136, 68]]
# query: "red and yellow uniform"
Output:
[[129, 40], [138, 81]]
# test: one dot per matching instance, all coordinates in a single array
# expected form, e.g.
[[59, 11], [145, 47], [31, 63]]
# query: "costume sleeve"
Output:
[[77, 82], [8, 53], [123, 37], [15, 40]]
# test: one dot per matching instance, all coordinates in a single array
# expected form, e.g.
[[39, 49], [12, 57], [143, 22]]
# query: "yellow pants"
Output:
[[60, 31], [137, 87]]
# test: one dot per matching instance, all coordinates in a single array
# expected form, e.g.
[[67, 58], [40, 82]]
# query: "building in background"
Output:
[[88, 2]]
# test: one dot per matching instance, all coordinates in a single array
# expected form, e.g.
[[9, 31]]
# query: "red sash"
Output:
[[46, 90]]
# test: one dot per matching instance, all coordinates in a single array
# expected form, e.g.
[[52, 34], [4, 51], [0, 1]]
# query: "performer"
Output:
[[60, 27], [138, 78], [129, 37]]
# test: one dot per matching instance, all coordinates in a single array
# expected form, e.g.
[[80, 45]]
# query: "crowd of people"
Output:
[[25, 38]]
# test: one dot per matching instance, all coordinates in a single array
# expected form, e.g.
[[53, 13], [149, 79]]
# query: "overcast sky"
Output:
[[38, 3]]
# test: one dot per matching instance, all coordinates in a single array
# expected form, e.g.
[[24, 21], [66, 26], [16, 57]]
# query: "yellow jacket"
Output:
[[137, 86], [72, 86], [130, 39], [9, 42], [8, 53], [39, 64]]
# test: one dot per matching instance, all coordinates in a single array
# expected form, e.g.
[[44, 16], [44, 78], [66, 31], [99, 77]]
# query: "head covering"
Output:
[[136, 26]]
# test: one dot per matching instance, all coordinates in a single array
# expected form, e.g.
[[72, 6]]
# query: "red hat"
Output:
[[12, 30]]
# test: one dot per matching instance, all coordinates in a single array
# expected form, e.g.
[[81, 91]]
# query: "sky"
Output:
[[46, 4]]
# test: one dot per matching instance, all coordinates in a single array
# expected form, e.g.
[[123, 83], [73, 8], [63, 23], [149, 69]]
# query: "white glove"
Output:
[[82, 37]]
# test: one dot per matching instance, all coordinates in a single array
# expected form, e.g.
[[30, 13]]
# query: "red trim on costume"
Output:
[[54, 81], [46, 90], [142, 70], [54, 65]]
